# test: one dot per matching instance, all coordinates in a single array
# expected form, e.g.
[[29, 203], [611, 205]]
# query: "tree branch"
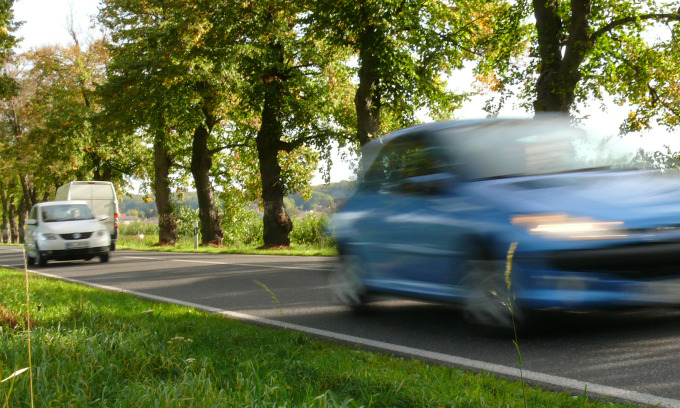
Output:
[[627, 20], [657, 99], [231, 146]]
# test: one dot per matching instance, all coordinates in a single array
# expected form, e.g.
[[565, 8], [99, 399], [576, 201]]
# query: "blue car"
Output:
[[508, 216]]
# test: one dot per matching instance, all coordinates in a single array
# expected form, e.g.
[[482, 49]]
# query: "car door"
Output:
[[411, 232]]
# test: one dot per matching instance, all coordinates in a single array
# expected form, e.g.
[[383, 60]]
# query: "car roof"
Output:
[[550, 119], [69, 202]]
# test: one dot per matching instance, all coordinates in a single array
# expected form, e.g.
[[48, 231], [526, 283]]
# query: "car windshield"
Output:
[[517, 148], [66, 212]]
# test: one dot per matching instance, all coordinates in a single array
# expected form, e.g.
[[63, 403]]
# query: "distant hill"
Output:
[[324, 198]]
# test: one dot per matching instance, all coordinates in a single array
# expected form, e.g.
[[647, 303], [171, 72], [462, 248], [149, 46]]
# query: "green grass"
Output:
[[147, 244], [100, 349]]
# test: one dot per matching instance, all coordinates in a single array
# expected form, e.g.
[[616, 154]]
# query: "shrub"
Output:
[[185, 217], [137, 227], [311, 230], [242, 227]]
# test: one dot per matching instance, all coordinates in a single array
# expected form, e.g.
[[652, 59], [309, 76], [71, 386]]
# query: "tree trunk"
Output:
[[13, 227], [201, 162], [276, 221], [560, 72], [5, 217], [30, 195], [28, 200], [22, 214], [367, 98], [167, 234]]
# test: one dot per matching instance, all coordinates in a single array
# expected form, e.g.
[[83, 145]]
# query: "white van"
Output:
[[100, 196]]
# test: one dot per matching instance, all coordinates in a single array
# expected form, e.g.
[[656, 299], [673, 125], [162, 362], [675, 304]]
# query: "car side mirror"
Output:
[[31, 221], [102, 217]]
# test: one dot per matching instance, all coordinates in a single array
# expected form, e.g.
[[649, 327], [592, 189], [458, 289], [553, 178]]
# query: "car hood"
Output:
[[639, 198], [69, 227]]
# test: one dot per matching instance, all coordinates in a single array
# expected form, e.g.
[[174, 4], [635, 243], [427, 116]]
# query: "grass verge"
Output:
[[147, 242], [100, 349]]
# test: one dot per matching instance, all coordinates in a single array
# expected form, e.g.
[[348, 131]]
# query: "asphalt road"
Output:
[[631, 355]]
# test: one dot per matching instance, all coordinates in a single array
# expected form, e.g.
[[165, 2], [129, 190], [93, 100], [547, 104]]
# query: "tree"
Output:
[[21, 160], [581, 50], [405, 48], [180, 54], [293, 87], [8, 87], [73, 141]]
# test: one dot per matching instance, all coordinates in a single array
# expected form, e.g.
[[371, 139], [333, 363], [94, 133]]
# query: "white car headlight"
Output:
[[99, 233], [46, 236], [566, 227]]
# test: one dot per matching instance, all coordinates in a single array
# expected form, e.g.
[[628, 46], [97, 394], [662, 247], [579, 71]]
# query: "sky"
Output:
[[46, 22]]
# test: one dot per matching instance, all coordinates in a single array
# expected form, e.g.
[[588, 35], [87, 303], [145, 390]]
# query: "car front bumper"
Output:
[[646, 274], [72, 254]]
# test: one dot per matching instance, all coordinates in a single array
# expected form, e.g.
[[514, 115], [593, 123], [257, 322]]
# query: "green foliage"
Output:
[[145, 208], [242, 227], [137, 227], [186, 217], [8, 40], [579, 52], [405, 49], [311, 230]]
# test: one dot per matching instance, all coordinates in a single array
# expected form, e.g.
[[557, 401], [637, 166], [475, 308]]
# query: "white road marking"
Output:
[[297, 268], [302, 268], [148, 258], [562, 382]]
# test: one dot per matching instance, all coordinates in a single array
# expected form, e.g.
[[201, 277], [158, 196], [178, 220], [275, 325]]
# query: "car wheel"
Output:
[[30, 261], [345, 282], [489, 301], [104, 257], [39, 259], [113, 246]]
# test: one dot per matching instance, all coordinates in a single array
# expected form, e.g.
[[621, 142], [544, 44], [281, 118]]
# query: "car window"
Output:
[[67, 212], [402, 159]]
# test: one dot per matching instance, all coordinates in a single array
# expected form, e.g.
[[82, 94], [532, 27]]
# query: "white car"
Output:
[[65, 230]]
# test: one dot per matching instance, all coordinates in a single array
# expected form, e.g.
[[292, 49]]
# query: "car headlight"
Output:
[[46, 236], [99, 233], [566, 227]]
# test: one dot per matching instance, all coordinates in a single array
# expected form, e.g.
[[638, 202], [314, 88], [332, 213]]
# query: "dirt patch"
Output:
[[274, 247], [12, 320]]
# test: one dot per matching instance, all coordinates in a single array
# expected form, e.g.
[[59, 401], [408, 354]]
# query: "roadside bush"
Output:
[[311, 230], [185, 217], [137, 227], [242, 227]]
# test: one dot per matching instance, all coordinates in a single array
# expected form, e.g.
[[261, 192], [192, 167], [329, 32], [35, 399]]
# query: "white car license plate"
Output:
[[72, 245]]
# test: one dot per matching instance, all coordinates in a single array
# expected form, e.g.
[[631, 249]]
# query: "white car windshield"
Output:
[[66, 212]]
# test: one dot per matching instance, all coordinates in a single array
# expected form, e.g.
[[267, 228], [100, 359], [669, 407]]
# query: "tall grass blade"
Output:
[[272, 294], [28, 327], [508, 281]]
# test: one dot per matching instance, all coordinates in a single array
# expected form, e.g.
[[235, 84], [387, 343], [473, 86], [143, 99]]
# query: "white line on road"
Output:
[[148, 258], [298, 268], [562, 382]]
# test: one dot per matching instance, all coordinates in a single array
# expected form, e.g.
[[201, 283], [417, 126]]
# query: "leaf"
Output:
[[15, 374]]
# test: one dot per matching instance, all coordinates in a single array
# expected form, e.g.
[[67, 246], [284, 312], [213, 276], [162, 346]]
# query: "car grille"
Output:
[[637, 261], [76, 235]]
